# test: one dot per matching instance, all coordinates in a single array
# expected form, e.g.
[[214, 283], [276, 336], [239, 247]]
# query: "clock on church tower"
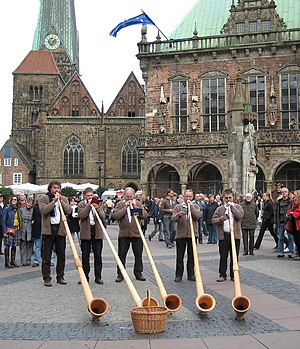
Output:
[[52, 41]]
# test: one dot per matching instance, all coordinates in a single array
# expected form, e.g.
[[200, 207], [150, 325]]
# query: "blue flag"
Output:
[[140, 19]]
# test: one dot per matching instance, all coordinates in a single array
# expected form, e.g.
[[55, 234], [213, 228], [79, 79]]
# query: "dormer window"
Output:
[[266, 26], [253, 26], [240, 27]]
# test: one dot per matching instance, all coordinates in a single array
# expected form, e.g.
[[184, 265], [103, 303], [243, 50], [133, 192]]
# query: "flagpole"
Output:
[[154, 24]]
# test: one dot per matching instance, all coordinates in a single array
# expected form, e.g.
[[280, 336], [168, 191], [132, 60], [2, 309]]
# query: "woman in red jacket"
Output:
[[295, 212]]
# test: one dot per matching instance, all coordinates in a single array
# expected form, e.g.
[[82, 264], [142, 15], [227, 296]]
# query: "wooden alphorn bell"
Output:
[[137, 299], [171, 301], [204, 302], [96, 306], [241, 304]]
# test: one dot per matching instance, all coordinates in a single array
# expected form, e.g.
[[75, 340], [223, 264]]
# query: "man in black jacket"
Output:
[[267, 221]]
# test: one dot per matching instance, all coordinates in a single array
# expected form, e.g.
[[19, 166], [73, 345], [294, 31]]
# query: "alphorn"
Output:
[[241, 304], [96, 306], [137, 299], [204, 302], [171, 301]]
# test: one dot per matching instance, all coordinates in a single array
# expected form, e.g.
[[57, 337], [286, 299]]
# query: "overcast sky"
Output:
[[105, 61]]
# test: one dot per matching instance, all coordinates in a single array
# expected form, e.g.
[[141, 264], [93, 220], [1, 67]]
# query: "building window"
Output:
[[16, 162], [7, 162], [290, 101], [179, 105], [257, 98], [73, 158], [131, 164], [35, 93], [213, 96], [253, 26], [266, 26], [240, 28], [17, 178], [0, 178]]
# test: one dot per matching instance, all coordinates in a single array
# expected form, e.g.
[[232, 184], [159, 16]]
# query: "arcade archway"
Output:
[[205, 178], [161, 178], [288, 174]]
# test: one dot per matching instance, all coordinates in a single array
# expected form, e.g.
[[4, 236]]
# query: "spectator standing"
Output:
[[36, 234], [199, 200], [167, 208], [26, 239], [221, 218], [2, 206], [282, 206], [211, 207], [249, 223], [267, 221], [294, 212], [157, 220], [73, 219], [11, 226]]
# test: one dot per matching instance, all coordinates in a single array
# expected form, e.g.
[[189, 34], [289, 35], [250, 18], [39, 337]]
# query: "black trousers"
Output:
[[224, 249], [137, 249], [96, 245], [182, 245], [248, 239], [59, 243], [264, 226]]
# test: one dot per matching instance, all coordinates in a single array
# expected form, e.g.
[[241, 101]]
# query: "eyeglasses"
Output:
[[14, 199], [227, 197]]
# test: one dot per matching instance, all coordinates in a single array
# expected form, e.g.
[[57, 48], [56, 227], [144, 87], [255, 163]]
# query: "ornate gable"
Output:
[[74, 100], [253, 16], [130, 101]]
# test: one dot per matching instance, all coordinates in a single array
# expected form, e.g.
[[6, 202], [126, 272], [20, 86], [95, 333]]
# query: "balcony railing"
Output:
[[219, 41]]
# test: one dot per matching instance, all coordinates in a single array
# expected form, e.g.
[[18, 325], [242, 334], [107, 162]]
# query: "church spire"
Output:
[[59, 15]]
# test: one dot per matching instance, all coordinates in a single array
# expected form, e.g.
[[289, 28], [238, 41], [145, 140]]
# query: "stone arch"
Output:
[[205, 178], [287, 172], [132, 185], [161, 177]]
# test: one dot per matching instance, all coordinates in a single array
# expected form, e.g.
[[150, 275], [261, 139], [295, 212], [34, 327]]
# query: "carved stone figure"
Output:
[[249, 160]]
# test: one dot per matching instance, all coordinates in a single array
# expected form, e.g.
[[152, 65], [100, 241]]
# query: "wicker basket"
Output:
[[149, 319]]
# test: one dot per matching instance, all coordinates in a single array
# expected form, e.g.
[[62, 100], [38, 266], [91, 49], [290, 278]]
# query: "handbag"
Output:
[[11, 231], [289, 226]]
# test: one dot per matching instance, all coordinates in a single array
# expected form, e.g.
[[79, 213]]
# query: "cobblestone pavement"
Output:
[[33, 315]]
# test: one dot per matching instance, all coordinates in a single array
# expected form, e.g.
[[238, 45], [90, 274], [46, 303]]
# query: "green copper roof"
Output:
[[211, 15], [60, 15]]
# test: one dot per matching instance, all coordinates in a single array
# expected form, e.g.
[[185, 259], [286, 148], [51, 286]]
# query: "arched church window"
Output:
[[130, 158], [73, 158]]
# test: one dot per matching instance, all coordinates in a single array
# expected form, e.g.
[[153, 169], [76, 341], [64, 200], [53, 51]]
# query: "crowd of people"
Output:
[[37, 227]]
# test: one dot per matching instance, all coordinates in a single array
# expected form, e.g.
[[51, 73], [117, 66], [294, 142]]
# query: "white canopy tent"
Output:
[[29, 188]]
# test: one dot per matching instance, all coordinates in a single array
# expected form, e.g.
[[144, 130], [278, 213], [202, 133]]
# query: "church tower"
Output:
[[57, 24]]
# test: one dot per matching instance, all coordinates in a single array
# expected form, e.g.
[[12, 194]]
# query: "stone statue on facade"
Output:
[[249, 170]]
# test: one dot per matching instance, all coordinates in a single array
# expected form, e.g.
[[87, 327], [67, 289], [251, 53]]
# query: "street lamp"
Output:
[[99, 163]]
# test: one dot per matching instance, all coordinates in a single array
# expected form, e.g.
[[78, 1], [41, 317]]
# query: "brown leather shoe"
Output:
[[221, 279], [61, 281], [47, 283]]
